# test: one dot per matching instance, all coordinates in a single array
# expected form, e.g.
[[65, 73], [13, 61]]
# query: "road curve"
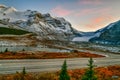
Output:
[[39, 65]]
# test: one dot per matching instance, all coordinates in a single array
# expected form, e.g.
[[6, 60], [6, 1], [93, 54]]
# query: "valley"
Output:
[[41, 42]]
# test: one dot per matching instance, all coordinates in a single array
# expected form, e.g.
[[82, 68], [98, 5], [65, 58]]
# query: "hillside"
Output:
[[44, 25], [56, 28], [56, 31], [108, 35]]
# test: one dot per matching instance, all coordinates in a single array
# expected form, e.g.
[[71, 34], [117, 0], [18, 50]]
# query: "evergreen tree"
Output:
[[23, 49], [23, 74], [63, 74], [6, 50], [23, 71], [90, 74]]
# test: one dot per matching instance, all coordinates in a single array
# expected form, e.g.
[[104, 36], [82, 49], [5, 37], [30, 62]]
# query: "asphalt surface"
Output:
[[41, 65]]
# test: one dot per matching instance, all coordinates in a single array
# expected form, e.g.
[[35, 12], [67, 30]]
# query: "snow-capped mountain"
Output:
[[107, 35], [45, 26]]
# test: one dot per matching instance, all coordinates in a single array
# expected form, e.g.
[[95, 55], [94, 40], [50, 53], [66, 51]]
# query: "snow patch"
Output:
[[85, 39]]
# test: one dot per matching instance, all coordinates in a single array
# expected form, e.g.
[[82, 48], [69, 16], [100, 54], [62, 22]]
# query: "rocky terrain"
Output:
[[109, 35], [55, 31], [44, 25]]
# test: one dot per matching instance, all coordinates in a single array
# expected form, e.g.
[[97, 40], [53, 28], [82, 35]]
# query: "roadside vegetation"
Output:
[[8, 31], [90, 73], [44, 55]]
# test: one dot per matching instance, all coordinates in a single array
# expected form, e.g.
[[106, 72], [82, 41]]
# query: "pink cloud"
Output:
[[60, 11], [90, 11], [89, 2], [97, 22], [84, 12]]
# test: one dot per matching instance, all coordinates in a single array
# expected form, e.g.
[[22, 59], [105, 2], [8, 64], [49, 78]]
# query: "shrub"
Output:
[[47, 76]]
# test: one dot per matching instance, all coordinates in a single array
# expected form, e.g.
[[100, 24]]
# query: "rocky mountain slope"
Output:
[[45, 26], [108, 35], [48, 28]]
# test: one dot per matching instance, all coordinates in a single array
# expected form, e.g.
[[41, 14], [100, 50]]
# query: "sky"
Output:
[[84, 15]]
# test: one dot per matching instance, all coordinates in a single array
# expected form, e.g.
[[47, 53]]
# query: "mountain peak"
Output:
[[2, 6], [5, 9], [12, 8], [44, 25], [109, 34]]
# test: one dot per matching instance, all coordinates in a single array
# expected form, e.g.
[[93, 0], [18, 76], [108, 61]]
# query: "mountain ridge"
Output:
[[44, 25], [50, 28], [107, 35]]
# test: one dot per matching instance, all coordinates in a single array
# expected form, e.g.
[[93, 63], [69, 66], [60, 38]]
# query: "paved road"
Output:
[[38, 65]]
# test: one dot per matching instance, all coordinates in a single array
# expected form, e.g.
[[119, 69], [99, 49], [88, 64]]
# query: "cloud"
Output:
[[91, 11], [90, 2], [97, 22], [84, 12], [60, 11]]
